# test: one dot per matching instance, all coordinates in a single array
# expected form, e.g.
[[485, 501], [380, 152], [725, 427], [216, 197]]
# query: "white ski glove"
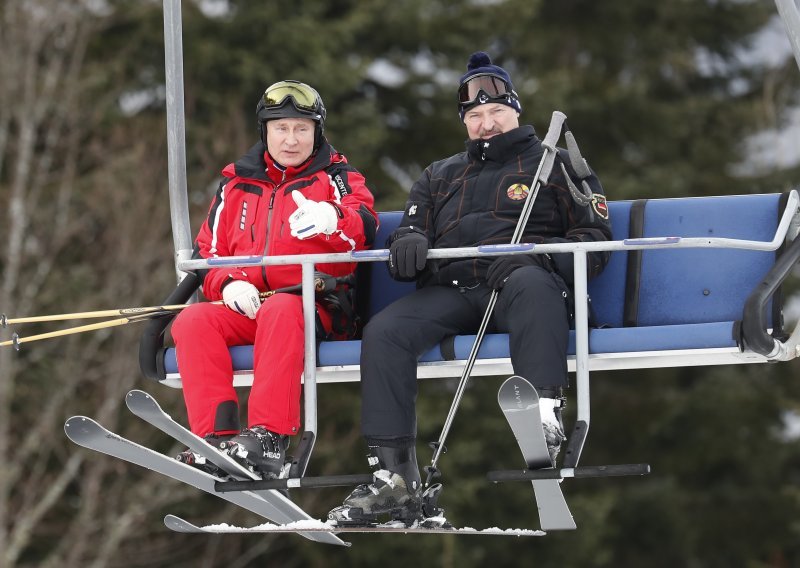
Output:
[[312, 217], [242, 297]]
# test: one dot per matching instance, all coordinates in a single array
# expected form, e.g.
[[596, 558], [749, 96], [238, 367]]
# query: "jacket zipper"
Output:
[[269, 225], [266, 244]]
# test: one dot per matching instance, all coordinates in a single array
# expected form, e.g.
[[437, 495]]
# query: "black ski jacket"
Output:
[[476, 197]]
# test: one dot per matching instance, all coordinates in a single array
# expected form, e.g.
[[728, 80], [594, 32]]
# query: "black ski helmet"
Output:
[[291, 99]]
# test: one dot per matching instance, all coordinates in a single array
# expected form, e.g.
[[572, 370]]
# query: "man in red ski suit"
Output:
[[291, 193]]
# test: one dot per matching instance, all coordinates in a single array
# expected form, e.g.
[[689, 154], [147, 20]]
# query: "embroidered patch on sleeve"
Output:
[[599, 205]]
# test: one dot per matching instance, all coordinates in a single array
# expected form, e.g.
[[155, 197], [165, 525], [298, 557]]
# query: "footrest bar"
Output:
[[291, 483], [576, 472]]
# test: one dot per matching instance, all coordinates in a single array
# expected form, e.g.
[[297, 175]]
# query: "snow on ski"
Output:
[[519, 402], [178, 524], [87, 433]]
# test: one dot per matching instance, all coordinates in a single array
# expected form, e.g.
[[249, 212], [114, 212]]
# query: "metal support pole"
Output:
[[790, 14], [310, 368], [176, 135], [581, 359]]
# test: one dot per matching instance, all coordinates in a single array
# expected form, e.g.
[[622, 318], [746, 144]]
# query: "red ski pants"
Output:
[[203, 332]]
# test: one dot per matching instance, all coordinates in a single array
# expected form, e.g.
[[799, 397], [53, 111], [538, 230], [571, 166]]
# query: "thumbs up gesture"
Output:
[[312, 217]]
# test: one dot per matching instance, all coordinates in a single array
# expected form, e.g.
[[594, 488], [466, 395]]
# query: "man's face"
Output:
[[290, 140], [490, 119]]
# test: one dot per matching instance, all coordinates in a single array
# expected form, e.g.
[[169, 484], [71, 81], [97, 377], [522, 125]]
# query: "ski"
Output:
[[147, 408], [180, 525], [519, 402], [269, 504]]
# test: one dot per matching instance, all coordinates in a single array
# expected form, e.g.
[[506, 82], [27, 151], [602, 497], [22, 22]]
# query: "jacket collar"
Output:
[[502, 147], [256, 163]]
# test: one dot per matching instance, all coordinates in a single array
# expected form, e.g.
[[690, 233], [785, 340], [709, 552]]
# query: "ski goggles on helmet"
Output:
[[483, 88], [304, 97]]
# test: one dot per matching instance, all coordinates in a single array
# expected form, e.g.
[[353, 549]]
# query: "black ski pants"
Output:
[[532, 308]]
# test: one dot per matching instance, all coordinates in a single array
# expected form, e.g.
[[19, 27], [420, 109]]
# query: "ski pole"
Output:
[[148, 310], [321, 284], [16, 340], [542, 175], [6, 321], [150, 313], [583, 195]]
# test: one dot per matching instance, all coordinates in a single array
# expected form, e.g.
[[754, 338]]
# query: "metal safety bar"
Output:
[[647, 243]]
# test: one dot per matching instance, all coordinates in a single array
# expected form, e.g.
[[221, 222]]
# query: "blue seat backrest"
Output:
[[383, 289], [676, 286], [703, 284], [607, 291]]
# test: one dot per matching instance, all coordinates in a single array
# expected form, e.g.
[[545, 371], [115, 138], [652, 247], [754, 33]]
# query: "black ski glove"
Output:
[[501, 269], [408, 255]]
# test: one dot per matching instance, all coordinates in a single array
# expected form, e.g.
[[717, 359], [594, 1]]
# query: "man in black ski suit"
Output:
[[472, 198]]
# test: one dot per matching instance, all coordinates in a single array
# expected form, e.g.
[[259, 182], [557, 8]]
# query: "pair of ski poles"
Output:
[[557, 122], [129, 315]]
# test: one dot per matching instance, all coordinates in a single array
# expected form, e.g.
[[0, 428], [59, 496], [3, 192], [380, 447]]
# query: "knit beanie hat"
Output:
[[485, 83]]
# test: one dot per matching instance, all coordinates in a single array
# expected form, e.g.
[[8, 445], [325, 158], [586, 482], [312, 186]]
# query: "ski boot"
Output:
[[396, 491], [552, 424], [260, 451], [199, 461]]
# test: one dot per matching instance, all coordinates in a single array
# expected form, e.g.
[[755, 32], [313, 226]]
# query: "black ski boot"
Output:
[[259, 450], [199, 461], [395, 490]]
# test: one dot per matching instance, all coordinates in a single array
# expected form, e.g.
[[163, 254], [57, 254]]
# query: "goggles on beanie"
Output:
[[486, 88], [483, 88], [485, 83]]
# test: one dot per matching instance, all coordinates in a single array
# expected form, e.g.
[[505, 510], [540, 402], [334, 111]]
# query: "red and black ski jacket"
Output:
[[249, 215]]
